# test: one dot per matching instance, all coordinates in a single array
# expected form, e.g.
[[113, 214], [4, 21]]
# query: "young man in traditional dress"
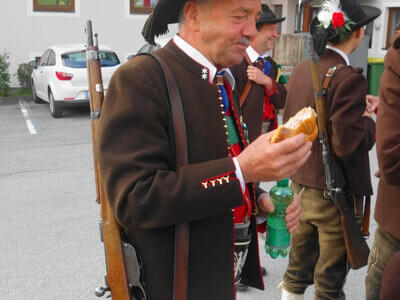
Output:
[[318, 253]]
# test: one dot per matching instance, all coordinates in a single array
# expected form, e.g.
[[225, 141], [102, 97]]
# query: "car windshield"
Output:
[[78, 59]]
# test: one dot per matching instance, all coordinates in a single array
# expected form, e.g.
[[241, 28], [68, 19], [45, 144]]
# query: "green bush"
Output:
[[4, 74], [24, 75]]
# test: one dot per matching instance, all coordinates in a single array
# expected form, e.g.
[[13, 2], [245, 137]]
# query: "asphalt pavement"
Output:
[[50, 245]]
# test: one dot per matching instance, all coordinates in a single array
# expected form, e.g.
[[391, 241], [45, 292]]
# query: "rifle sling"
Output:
[[248, 86], [181, 229]]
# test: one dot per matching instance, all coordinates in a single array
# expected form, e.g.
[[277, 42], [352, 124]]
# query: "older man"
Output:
[[214, 191]]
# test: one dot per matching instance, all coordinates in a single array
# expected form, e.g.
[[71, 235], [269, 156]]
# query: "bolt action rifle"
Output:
[[123, 267], [356, 246]]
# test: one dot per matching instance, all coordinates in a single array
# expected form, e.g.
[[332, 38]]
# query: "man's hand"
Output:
[[293, 211], [256, 75], [263, 161], [372, 103]]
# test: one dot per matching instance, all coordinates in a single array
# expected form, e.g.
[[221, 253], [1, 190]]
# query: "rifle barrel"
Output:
[[89, 33]]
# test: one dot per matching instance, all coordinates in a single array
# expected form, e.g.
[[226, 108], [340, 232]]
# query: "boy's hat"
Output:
[[268, 17], [337, 19]]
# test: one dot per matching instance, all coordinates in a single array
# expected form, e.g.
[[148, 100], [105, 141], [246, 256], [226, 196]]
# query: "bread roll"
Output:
[[305, 121]]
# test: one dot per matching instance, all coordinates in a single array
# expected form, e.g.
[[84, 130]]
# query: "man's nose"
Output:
[[250, 29]]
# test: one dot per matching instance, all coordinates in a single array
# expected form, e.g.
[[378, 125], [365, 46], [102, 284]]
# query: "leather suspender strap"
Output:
[[182, 229], [328, 77], [248, 86]]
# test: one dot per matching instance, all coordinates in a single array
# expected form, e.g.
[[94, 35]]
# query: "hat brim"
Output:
[[371, 13], [270, 21]]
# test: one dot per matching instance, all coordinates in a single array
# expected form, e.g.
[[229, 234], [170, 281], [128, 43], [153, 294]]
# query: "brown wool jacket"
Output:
[[387, 210], [137, 161], [352, 134], [253, 106]]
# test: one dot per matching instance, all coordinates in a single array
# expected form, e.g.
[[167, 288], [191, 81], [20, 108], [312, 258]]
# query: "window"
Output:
[[52, 59], [77, 59], [278, 14], [44, 58], [369, 31], [142, 6], [54, 5], [394, 20], [308, 12]]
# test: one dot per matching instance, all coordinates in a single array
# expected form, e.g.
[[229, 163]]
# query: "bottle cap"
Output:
[[284, 182]]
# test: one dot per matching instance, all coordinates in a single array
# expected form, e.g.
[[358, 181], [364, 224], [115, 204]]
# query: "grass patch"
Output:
[[17, 92]]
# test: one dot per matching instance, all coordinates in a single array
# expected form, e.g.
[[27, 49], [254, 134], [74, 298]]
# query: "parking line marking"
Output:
[[28, 121]]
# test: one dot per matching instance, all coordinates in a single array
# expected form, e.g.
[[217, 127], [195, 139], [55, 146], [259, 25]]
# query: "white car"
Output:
[[60, 78]]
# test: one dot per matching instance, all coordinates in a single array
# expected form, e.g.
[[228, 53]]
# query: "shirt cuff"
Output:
[[239, 174]]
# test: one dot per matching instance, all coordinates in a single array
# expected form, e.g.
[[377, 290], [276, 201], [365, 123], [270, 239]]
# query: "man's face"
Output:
[[266, 36], [226, 28]]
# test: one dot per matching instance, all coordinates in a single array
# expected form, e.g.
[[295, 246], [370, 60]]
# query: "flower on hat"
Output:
[[337, 20], [331, 14]]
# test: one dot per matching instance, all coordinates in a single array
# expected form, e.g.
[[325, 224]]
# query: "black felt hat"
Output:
[[323, 29], [268, 17], [165, 12]]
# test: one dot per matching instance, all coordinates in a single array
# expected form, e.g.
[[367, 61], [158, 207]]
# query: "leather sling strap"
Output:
[[181, 229], [367, 206], [248, 86]]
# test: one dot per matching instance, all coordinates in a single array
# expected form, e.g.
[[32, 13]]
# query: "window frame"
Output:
[[389, 33], [44, 58], [53, 8], [139, 10]]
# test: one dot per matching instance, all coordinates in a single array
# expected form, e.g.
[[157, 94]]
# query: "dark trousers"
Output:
[[318, 253]]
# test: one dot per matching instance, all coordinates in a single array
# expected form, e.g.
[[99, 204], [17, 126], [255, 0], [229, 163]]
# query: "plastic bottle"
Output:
[[278, 237]]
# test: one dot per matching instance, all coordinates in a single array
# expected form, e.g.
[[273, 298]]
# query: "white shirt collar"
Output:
[[199, 58], [253, 54], [340, 52]]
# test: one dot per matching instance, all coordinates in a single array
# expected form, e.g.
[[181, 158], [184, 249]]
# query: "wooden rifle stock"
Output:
[[367, 213], [356, 246], [116, 279]]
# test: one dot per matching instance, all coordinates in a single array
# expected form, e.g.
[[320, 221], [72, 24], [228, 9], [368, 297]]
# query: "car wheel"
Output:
[[36, 99], [55, 110]]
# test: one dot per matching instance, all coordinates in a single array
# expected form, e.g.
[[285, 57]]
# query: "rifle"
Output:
[[123, 267], [356, 246]]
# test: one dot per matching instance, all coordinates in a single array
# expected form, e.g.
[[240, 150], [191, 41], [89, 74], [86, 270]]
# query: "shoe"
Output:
[[240, 287]]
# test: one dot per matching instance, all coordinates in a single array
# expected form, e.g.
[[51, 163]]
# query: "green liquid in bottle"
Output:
[[278, 237]]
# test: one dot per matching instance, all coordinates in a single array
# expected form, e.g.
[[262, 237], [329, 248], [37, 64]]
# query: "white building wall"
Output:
[[380, 26], [26, 34]]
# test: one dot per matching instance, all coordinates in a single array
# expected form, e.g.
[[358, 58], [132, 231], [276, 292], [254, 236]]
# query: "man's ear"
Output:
[[191, 12], [358, 32]]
